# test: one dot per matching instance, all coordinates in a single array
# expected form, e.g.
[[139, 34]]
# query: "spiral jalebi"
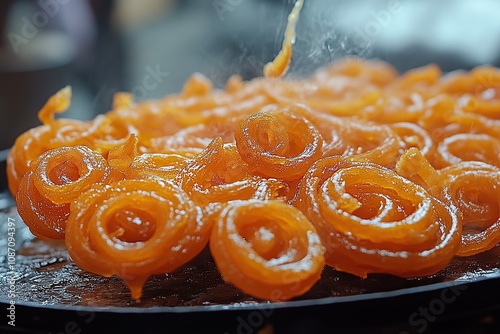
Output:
[[372, 220], [267, 249], [395, 174], [134, 229], [52, 182], [474, 187]]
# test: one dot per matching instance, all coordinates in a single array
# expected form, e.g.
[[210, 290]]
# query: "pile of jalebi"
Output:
[[355, 167]]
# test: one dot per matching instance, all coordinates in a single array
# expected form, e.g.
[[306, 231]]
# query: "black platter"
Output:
[[55, 296]]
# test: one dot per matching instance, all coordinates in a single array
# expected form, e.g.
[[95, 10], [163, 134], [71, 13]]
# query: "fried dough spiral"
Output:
[[468, 147], [63, 174], [37, 141], [134, 229], [343, 136], [267, 249], [371, 220], [278, 143], [396, 173], [52, 182], [219, 175], [45, 219], [54, 133], [474, 187], [27, 147]]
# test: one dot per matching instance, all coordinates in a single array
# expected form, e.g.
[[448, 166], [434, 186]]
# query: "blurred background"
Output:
[[150, 47]]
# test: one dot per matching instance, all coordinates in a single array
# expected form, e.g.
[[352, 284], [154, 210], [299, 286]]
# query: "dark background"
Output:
[[101, 47]]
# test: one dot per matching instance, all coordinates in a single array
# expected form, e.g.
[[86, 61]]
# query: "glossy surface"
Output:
[[48, 278], [360, 151]]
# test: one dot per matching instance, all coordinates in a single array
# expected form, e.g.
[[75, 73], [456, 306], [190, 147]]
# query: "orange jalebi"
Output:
[[53, 133], [267, 248], [468, 147], [395, 174], [474, 187], [134, 229], [219, 175], [52, 182], [278, 143], [372, 220]]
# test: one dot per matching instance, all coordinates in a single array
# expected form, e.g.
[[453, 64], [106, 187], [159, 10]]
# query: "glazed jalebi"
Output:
[[474, 187], [468, 147], [278, 143], [134, 229], [52, 134], [355, 167], [267, 248], [373, 220], [219, 175], [52, 182]]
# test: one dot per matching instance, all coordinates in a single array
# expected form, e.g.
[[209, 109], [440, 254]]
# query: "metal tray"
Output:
[[55, 296]]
